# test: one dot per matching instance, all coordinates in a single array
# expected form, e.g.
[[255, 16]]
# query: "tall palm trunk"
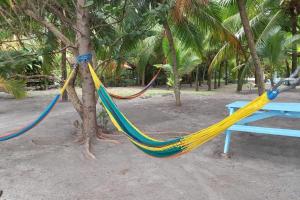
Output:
[[197, 78], [174, 65], [226, 73], [215, 80], [288, 71], [220, 75], [258, 70], [143, 73], [272, 78], [294, 48], [209, 81], [240, 80], [202, 75], [143, 78], [64, 71], [88, 89], [239, 75]]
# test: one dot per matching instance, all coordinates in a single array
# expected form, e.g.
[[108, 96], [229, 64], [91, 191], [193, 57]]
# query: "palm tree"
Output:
[[14, 63], [292, 8], [186, 59], [264, 14], [187, 17], [274, 48], [249, 35], [14, 87], [174, 62]]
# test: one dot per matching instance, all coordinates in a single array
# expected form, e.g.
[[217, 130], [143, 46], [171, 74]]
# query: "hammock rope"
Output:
[[138, 93], [41, 117], [179, 145]]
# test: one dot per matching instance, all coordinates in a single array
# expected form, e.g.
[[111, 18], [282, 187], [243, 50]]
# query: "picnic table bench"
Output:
[[283, 110]]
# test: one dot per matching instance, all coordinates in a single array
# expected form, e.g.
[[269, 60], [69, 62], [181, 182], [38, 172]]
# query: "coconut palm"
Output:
[[187, 61], [264, 16], [12, 63], [274, 48]]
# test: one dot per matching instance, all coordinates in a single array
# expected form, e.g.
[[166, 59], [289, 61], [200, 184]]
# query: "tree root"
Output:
[[87, 148], [80, 139], [83, 140], [106, 137]]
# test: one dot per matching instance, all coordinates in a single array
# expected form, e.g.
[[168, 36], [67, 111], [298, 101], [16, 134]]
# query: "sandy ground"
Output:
[[46, 164]]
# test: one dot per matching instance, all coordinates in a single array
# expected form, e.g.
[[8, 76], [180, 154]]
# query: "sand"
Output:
[[46, 164]]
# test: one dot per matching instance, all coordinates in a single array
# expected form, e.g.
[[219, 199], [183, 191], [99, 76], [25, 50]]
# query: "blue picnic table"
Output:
[[286, 110]]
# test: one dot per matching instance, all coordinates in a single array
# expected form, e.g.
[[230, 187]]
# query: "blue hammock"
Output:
[[34, 123], [42, 116]]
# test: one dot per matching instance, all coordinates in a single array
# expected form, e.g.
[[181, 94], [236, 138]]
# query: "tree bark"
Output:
[[226, 73], [272, 78], [239, 75], [251, 45], [215, 79], [174, 65], [209, 81], [294, 47], [190, 76], [197, 78], [202, 77], [240, 80], [143, 77], [88, 89], [220, 75], [288, 71], [64, 71]]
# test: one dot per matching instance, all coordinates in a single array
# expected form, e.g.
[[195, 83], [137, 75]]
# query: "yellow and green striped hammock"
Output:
[[179, 145]]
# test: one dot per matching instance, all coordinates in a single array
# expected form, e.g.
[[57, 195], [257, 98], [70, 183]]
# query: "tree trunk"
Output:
[[190, 78], [88, 89], [174, 64], [294, 47], [202, 76], [251, 44], [220, 75], [240, 80], [137, 77], [209, 81], [215, 79], [272, 79], [197, 78], [143, 77], [64, 71], [239, 75], [226, 73], [255, 78], [288, 71]]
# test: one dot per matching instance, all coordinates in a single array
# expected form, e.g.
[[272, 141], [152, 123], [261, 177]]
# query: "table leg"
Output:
[[228, 135], [227, 141]]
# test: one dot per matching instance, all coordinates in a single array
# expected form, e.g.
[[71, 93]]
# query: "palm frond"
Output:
[[189, 35], [14, 87], [224, 53], [276, 20], [207, 17]]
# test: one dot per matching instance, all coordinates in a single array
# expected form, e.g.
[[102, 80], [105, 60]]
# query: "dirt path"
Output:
[[46, 164]]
